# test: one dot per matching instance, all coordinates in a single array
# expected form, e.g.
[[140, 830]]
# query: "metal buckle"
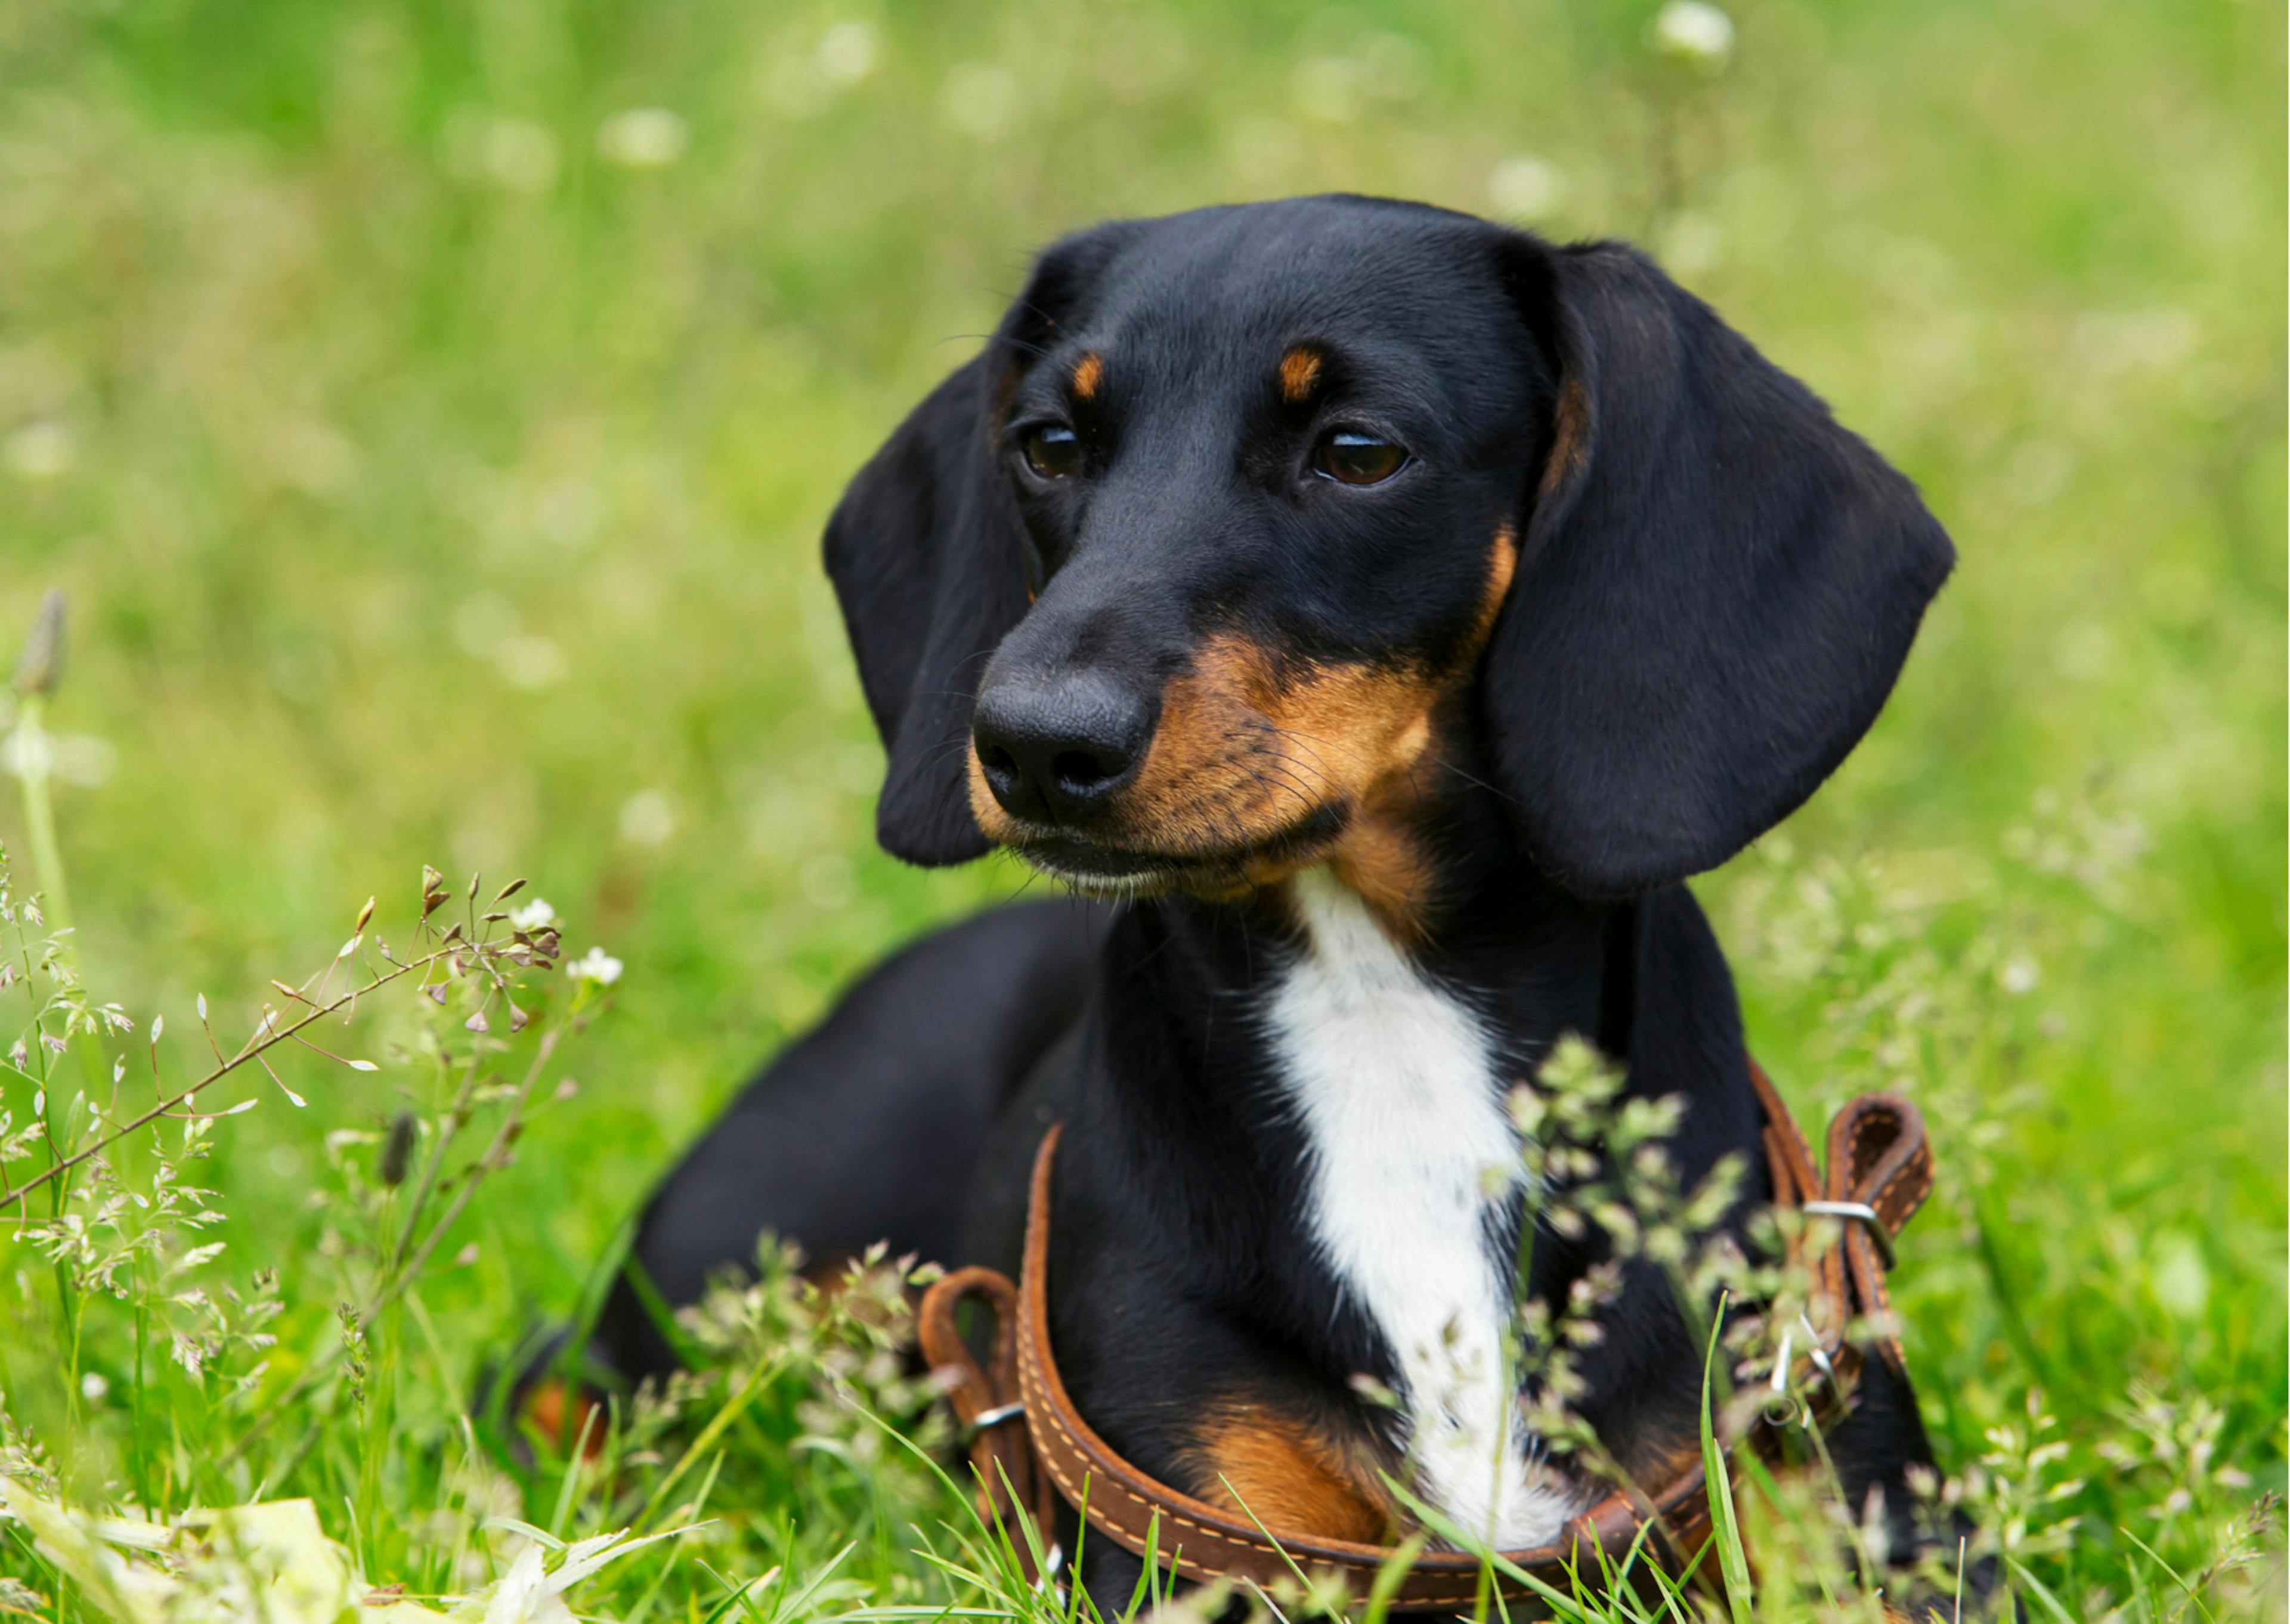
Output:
[[1812, 1347], [1861, 1213], [1047, 1584], [1815, 1351], [987, 1420], [1778, 1380]]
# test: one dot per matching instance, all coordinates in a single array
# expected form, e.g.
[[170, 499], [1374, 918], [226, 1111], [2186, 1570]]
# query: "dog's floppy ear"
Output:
[[1716, 589], [929, 561], [925, 556]]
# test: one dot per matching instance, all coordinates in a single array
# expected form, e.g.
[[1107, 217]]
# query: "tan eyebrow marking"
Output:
[[1088, 372], [1300, 370]]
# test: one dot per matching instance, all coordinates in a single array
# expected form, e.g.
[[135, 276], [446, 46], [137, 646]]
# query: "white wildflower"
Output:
[[642, 138], [534, 915], [40, 451], [273, 1560], [595, 966], [1695, 33], [530, 1593], [1525, 187], [79, 759], [648, 818], [531, 663], [847, 53]]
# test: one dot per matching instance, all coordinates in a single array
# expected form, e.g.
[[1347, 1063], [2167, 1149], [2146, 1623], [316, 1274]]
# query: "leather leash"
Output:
[[1030, 1447]]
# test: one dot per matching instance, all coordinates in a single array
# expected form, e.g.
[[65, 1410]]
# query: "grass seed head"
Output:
[[41, 665], [397, 1150]]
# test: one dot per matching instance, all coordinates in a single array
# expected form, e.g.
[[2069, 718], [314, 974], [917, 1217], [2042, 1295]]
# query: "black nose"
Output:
[[1056, 748]]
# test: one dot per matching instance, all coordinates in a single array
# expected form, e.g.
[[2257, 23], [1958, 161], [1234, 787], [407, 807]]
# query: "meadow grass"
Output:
[[431, 411]]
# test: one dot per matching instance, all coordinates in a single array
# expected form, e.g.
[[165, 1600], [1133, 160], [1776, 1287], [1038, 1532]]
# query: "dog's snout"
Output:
[[1055, 750]]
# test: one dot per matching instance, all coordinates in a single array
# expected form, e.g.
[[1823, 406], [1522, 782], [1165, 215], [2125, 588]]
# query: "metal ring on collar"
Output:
[[1861, 1212], [998, 1416]]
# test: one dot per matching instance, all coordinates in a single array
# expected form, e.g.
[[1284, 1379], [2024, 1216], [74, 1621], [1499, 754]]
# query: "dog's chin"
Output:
[[1103, 868]]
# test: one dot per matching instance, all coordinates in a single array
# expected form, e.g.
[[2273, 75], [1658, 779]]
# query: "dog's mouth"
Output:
[[1104, 869]]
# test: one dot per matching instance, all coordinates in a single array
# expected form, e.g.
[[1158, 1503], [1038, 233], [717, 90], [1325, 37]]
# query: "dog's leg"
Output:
[[868, 1127], [1876, 1445]]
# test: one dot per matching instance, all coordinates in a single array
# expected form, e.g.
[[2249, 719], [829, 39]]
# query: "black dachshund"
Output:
[[1384, 612]]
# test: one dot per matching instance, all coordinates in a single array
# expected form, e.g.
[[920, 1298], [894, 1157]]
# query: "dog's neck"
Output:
[[1437, 896]]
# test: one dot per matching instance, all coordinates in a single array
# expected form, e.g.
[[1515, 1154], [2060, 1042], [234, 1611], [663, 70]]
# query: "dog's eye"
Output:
[[1052, 450], [1357, 459]]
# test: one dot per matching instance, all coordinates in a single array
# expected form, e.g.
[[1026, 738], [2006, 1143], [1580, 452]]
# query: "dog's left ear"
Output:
[[1716, 589]]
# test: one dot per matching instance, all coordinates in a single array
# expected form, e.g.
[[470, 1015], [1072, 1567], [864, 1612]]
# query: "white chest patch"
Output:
[[1393, 1081]]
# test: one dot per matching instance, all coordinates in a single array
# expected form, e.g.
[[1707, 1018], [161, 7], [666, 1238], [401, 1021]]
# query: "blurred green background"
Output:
[[432, 411]]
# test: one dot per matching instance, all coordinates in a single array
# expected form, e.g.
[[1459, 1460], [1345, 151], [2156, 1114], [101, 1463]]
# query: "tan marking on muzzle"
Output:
[[1384, 856], [1250, 745], [996, 825]]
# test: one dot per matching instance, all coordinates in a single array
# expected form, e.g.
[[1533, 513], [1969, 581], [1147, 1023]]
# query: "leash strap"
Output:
[[985, 1399], [1028, 1439]]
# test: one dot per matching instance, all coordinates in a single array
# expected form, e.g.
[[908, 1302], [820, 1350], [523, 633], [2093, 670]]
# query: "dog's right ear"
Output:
[[924, 553], [928, 558]]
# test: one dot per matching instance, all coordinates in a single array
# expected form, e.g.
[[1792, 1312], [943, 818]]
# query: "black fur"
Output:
[[1715, 586], [899, 1082]]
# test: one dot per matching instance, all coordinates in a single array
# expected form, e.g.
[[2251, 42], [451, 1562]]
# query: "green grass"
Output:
[[431, 486]]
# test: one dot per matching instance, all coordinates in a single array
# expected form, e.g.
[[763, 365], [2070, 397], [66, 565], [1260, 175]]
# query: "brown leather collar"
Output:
[[1029, 1441]]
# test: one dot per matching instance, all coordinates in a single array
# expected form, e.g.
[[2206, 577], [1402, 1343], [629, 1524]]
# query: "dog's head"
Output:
[[1248, 518]]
